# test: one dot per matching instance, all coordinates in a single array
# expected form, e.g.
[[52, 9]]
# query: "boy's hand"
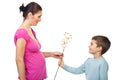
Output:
[[61, 63]]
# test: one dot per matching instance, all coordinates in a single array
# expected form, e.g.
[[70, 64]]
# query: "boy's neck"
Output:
[[97, 56]]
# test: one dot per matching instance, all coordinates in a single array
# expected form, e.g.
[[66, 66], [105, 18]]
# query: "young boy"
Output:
[[94, 68]]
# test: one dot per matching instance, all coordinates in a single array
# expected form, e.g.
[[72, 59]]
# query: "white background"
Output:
[[81, 18]]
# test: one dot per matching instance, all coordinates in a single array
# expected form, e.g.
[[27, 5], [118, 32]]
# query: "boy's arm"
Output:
[[77, 70], [73, 70], [104, 71]]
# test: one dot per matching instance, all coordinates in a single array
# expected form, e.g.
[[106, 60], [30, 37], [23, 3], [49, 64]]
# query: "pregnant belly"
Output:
[[35, 65]]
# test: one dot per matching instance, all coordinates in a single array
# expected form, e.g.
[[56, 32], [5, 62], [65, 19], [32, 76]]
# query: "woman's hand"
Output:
[[57, 55]]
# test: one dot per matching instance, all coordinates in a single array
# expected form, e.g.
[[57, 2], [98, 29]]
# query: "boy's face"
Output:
[[93, 48]]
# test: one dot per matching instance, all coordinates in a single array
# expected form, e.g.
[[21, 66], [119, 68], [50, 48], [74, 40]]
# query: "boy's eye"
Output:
[[39, 16]]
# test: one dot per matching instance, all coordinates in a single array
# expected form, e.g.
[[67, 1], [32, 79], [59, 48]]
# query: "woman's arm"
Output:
[[20, 46], [57, 55]]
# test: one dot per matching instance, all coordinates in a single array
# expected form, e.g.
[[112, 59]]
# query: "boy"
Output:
[[95, 68]]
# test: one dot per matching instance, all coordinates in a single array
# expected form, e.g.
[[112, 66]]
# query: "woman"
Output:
[[30, 60]]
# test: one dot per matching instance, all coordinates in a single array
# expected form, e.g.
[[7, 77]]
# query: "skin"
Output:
[[93, 49], [30, 20]]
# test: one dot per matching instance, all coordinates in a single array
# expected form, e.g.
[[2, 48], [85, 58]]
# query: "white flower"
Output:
[[67, 38]]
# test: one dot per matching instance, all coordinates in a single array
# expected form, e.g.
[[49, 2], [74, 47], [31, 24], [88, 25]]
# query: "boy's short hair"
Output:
[[102, 41]]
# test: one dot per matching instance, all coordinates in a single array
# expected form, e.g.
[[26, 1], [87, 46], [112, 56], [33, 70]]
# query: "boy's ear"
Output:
[[100, 48]]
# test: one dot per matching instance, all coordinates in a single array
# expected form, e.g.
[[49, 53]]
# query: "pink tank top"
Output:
[[35, 65]]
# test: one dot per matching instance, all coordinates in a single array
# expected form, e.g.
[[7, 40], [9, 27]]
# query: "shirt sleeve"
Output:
[[21, 33], [104, 71], [77, 70]]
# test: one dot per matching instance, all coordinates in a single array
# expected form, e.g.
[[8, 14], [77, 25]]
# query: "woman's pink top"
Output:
[[35, 65]]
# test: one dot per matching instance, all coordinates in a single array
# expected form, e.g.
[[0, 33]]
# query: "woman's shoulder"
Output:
[[21, 33], [21, 30]]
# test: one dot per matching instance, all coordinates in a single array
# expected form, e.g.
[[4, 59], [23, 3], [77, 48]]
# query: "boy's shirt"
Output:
[[95, 69]]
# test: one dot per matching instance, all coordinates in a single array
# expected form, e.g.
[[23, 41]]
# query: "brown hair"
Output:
[[31, 7], [102, 41]]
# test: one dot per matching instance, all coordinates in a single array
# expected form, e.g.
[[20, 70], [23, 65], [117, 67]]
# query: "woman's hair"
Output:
[[103, 42], [31, 7]]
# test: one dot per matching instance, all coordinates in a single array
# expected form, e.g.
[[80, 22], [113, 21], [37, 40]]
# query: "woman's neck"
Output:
[[26, 24]]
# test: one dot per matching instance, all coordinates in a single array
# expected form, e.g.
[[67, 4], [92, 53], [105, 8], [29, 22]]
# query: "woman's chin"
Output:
[[34, 24]]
